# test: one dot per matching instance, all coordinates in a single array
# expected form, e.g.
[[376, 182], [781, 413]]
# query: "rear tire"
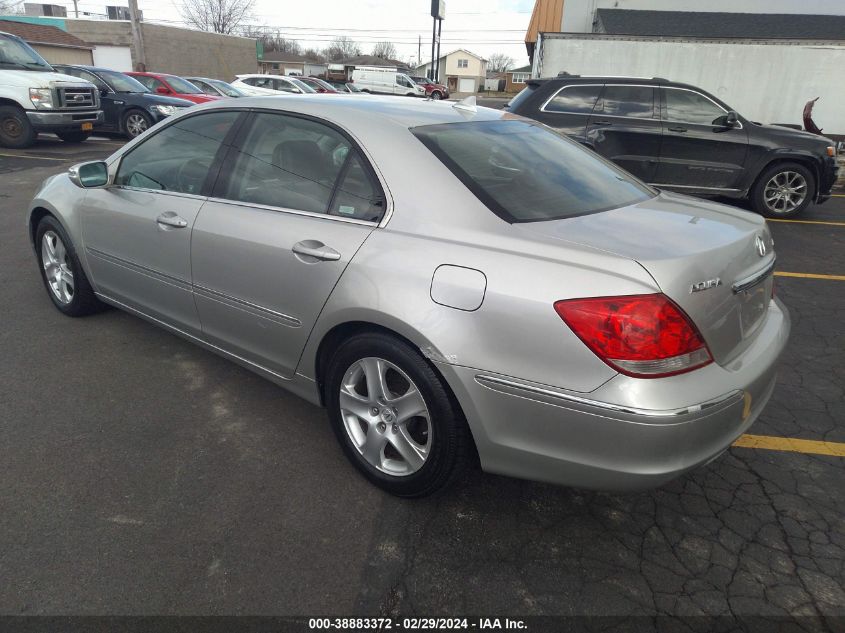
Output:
[[61, 271], [407, 435], [783, 190], [73, 137], [16, 131], [436, 95]]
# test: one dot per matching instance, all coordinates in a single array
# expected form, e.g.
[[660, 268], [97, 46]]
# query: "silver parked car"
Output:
[[539, 306]]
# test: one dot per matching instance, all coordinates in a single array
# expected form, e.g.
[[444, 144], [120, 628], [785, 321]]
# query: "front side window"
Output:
[[690, 107], [627, 101], [296, 163], [574, 100], [177, 158], [524, 172]]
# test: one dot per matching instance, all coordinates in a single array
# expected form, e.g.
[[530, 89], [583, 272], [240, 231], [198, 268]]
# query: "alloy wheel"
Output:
[[57, 270], [435, 95], [136, 124], [385, 416], [785, 192]]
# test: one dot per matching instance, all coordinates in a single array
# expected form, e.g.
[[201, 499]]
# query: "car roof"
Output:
[[566, 78], [353, 111]]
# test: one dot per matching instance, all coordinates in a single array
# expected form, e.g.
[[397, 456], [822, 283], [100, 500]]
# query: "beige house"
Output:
[[460, 71]]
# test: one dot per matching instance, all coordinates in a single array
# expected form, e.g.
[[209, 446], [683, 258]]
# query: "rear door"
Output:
[[699, 151], [624, 127], [568, 110], [298, 200]]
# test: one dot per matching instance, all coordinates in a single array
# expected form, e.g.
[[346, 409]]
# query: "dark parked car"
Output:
[[347, 87], [319, 85], [677, 136], [216, 87], [128, 106]]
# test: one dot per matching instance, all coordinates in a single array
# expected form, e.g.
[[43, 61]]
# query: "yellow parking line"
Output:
[[33, 157], [808, 221], [811, 276], [838, 195], [812, 447]]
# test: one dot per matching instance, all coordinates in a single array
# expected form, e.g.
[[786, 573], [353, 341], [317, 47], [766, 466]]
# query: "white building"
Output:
[[460, 71]]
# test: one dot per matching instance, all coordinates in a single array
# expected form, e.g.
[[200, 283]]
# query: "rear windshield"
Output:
[[524, 172], [526, 92]]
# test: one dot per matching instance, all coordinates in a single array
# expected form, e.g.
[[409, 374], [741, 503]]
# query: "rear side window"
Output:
[[628, 101], [521, 98], [524, 172], [574, 100]]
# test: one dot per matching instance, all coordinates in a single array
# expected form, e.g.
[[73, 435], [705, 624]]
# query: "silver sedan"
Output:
[[537, 306]]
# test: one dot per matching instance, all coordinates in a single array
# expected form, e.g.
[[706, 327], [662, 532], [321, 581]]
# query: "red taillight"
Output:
[[646, 336]]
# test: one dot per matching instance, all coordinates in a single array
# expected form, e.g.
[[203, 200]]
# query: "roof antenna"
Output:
[[467, 104]]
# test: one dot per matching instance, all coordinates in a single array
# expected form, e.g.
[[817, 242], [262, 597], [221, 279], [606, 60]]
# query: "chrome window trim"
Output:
[[668, 120], [165, 192], [604, 85], [656, 184], [309, 214], [557, 397]]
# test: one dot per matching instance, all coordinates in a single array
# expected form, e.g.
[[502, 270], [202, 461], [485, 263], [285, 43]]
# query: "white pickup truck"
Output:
[[34, 98]]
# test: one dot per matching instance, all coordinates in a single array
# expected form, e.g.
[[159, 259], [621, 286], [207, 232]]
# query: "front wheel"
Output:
[[436, 95], [74, 136], [393, 416], [136, 123], [15, 129], [783, 190], [61, 271]]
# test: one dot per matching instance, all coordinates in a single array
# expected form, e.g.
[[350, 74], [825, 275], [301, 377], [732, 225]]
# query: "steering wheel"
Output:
[[191, 174]]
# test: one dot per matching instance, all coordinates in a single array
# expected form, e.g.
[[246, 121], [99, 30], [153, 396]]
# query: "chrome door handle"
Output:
[[171, 219], [312, 250], [677, 129]]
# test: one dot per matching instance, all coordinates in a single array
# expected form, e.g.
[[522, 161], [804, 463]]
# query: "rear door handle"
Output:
[[677, 129], [172, 220], [311, 251]]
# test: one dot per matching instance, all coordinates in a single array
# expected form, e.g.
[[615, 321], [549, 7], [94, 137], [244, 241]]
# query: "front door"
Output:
[[137, 233], [283, 223], [699, 150], [624, 128]]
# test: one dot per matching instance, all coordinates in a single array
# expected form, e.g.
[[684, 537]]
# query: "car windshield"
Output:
[[120, 82], [522, 96], [323, 84], [16, 52], [301, 85], [423, 81], [182, 86], [227, 89], [352, 88], [524, 172]]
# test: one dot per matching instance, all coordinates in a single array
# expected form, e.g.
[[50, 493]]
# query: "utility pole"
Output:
[[137, 37], [76, 8], [419, 50]]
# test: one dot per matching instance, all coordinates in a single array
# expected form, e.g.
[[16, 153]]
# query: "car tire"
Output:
[[16, 131], [408, 435], [74, 136], [61, 271], [783, 190], [135, 122], [435, 94]]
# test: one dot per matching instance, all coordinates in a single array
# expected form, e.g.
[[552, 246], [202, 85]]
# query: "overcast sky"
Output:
[[482, 26]]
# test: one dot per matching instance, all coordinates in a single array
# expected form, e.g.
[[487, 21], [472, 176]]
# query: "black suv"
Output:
[[128, 106], [677, 136]]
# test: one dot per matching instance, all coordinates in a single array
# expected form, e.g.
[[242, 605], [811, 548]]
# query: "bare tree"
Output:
[[385, 50], [218, 16], [342, 47], [499, 63], [11, 6]]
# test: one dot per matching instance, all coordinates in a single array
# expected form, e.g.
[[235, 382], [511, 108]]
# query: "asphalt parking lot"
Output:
[[140, 474]]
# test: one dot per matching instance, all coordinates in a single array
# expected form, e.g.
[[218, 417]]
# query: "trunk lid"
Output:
[[714, 261]]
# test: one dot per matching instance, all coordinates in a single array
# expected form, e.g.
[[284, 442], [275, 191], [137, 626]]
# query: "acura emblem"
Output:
[[761, 246]]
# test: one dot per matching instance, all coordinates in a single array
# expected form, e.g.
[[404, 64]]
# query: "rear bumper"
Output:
[[53, 121], [630, 433]]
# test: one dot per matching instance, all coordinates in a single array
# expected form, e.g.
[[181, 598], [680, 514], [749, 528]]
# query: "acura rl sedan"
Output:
[[540, 307]]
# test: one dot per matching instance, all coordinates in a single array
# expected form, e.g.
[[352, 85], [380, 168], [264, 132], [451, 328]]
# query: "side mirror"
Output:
[[91, 175], [162, 90], [731, 119]]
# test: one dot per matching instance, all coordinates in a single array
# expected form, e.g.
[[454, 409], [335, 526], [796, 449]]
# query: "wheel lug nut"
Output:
[[382, 427], [374, 410], [395, 429]]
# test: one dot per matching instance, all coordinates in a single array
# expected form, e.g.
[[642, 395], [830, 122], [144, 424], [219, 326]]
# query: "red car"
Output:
[[172, 86], [319, 85], [433, 90]]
